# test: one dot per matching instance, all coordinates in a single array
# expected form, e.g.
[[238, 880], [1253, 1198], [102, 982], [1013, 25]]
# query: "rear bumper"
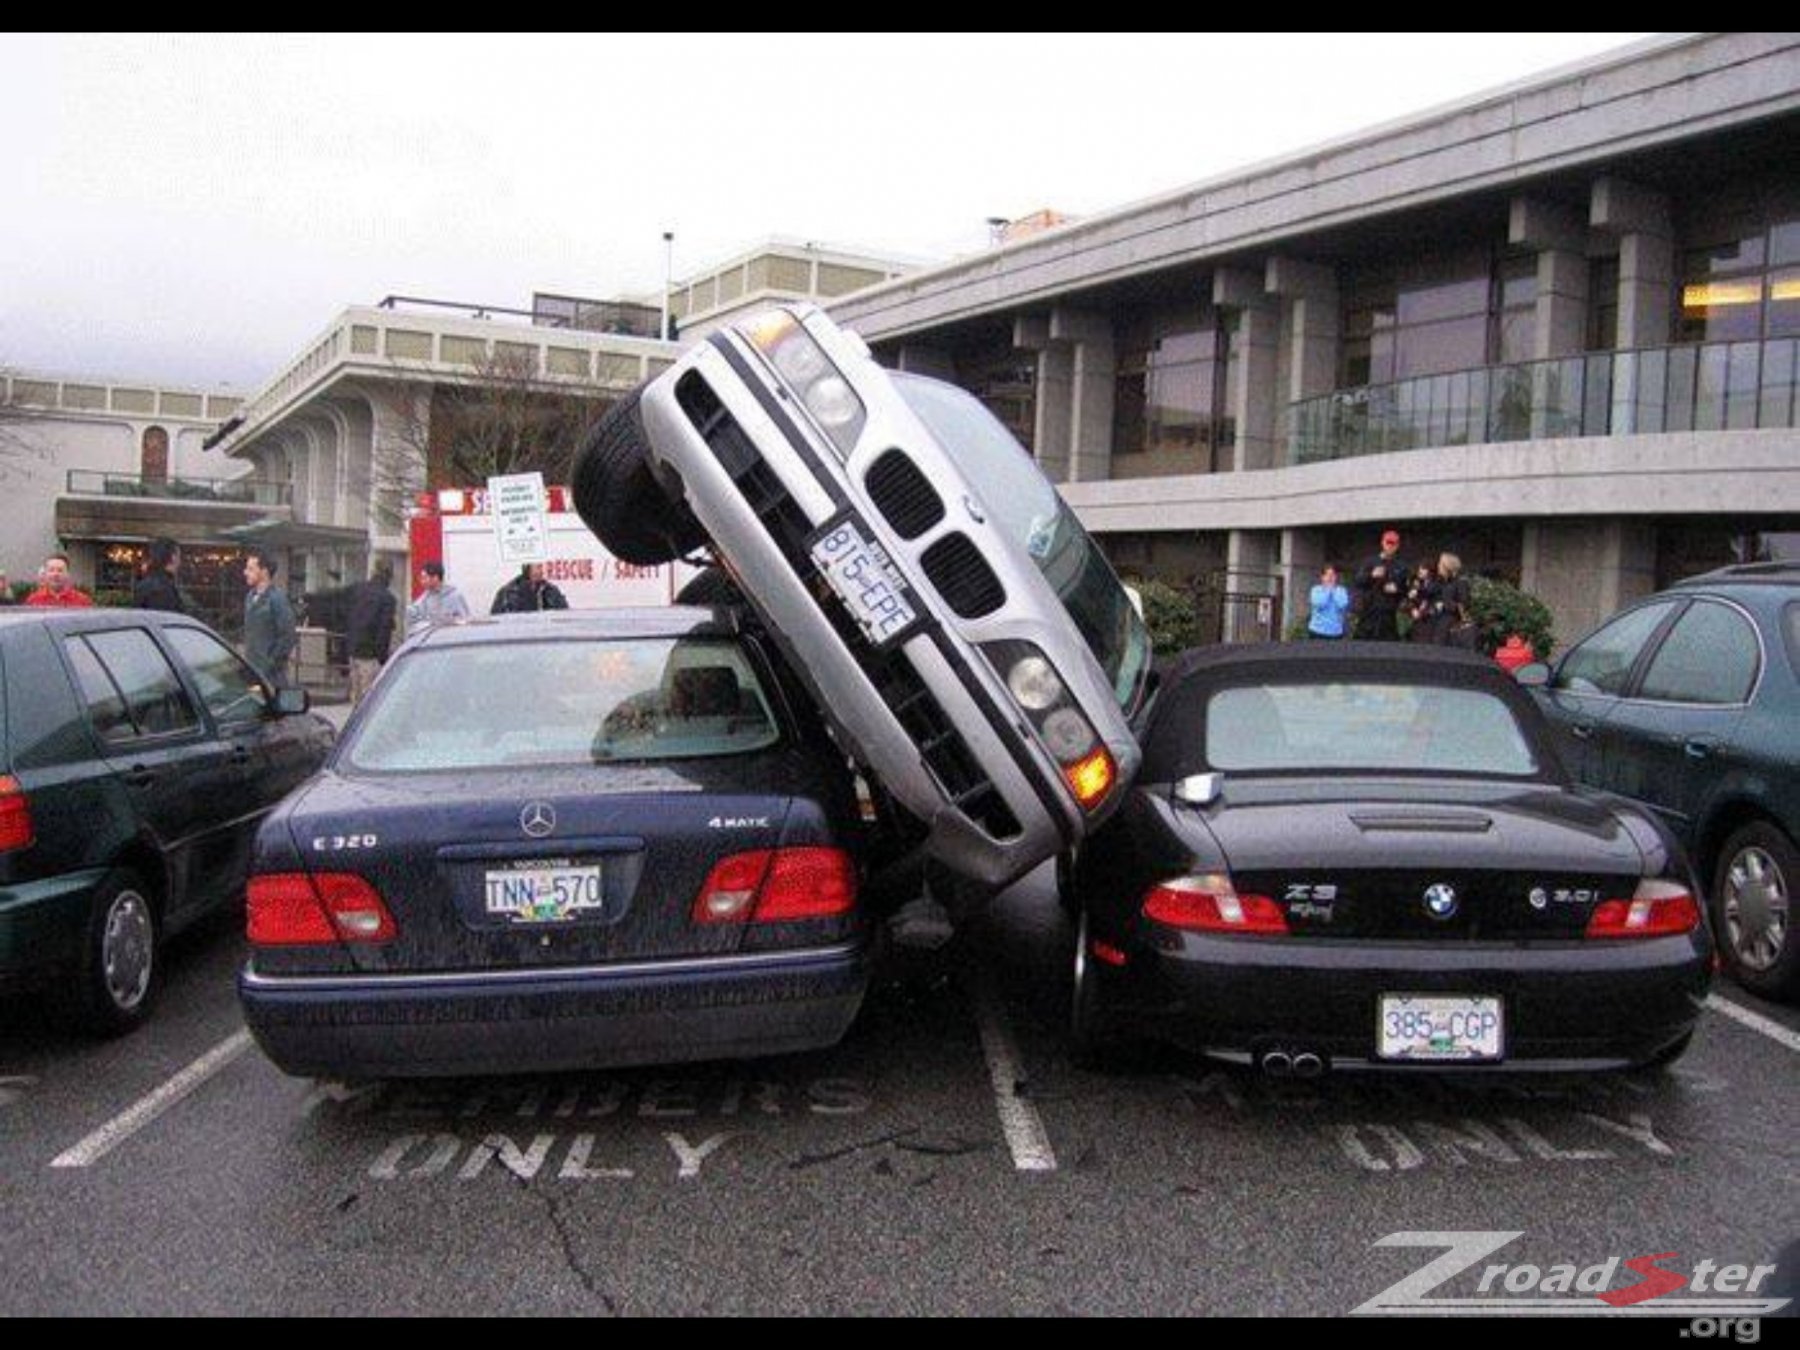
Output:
[[549, 1020], [42, 923], [1569, 1007]]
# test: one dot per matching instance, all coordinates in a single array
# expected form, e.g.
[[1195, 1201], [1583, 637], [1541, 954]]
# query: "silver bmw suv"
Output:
[[966, 638]]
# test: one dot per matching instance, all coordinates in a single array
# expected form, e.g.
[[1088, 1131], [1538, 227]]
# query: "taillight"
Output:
[[293, 909], [1659, 909], [15, 816], [778, 886], [1211, 904]]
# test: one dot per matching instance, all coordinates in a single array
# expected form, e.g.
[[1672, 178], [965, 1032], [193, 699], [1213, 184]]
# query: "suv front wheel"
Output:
[[1752, 901]]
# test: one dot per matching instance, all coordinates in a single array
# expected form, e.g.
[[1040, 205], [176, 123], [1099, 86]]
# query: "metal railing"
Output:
[[233, 491], [1710, 386]]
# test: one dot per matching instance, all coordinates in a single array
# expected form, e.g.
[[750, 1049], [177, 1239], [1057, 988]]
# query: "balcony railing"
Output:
[[1713, 386], [232, 491]]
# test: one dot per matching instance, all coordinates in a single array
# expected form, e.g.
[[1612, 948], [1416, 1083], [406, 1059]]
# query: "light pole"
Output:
[[668, 280]]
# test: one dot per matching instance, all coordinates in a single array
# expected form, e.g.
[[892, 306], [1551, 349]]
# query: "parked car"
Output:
[[558, 841], [968, 641], [1689, 701], [138, 755], [1367, 855]]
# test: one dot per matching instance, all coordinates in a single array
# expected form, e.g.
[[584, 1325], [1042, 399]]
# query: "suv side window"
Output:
[[231, 691], [1603, 663], [1711, 656], [154, 699]]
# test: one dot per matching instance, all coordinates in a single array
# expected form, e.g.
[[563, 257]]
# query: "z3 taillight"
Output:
[[1209, 903], [1658, 909]]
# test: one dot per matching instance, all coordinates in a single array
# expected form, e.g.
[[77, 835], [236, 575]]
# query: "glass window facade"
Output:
[[1170, 385], [1740, 280]]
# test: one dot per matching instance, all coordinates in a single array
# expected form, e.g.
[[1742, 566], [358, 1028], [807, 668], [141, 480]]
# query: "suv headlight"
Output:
[[801, 362], [1087, 768]]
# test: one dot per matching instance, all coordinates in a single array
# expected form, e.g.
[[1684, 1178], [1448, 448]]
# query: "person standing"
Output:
[[527, 592], [1421, 604], [158, 588], [1380, 589], [6, 595], [370, 628], [270, 631], [1330, 604], [1453, 622], [56, 588], [437, 602]]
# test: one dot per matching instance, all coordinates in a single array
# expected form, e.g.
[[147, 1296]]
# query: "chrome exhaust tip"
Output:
[[1277, 1064], [1308, 1065]]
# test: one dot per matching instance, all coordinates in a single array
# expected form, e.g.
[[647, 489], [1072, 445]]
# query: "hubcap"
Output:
[[128, 950], [1756, 908]]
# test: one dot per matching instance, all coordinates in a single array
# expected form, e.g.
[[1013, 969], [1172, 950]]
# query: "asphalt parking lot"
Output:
[[946, 1158]]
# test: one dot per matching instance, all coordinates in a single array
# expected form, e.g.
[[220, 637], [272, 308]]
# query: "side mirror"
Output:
[[291, 702], [1534, 676], [1200, 789]]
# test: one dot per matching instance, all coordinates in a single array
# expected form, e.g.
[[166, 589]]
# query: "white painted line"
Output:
[[117, 1130], [1768, 1026], [1019, 1120]]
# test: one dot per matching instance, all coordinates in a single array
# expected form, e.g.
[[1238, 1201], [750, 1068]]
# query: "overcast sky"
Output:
[[194, 209]]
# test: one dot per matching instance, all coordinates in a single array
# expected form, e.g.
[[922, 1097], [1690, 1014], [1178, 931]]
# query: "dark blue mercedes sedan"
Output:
[[565, 841]]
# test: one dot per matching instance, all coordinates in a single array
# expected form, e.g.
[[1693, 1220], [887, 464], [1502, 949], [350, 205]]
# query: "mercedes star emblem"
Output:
[[538, 819]]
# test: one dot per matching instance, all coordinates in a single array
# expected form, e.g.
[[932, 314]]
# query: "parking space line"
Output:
[[121, 1127], [1019, 1120], [1768, 1026]]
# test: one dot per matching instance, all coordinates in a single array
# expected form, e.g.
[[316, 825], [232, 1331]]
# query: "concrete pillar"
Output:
[[1053, 395], [1302, 555], [1311, 336], [1639, 218], [1586, 570], [1251, 389], [1559, 234], [918, 359], [1093, 372]]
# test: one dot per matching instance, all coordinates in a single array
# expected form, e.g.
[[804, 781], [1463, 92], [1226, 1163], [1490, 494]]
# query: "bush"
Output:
[[1171, 616], [1501, 610]]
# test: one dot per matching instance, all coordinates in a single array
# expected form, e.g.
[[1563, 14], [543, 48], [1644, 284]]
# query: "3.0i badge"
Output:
[[1440, 901]]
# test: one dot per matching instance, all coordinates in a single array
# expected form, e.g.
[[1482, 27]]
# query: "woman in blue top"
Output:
[[1330, 604]]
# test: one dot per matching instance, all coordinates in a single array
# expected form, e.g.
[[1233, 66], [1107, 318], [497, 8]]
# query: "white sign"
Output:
[[519, 526]]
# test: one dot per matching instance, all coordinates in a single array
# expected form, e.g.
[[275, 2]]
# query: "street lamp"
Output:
[[668, 280]]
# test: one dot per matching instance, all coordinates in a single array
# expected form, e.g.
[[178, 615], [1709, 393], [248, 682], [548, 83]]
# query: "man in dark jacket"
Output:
[[1381, 589], [527, 592], [270, 632], [158, 587], [370, 629]]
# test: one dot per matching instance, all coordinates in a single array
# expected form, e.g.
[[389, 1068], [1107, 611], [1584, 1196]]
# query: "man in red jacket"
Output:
[[55, 587]]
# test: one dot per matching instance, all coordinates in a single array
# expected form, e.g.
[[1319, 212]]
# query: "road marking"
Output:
[[1768, 1026], [1019, 1120], [117, 1130]]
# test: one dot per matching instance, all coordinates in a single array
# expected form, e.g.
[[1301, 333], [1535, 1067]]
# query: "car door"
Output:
[[1590, 680], [177, 774], [1669, 741]]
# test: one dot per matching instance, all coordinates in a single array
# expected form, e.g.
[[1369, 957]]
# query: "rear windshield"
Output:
[[507, 705], [1279, 728]]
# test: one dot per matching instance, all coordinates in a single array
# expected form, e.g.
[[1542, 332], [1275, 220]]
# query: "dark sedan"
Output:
[[563, 841], [1689, 702], [138, 755], [1368, 855]]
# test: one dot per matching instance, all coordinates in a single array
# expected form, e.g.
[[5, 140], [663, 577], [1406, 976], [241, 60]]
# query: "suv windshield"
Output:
[[505, 705], [1024, 504]]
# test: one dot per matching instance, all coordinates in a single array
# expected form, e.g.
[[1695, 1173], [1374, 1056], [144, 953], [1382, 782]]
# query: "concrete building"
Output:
[[1552, 328], [99, 468], [774, 271]]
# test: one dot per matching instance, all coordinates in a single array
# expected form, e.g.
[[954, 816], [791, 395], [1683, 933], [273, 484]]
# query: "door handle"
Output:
[[139, 775], [1695, 748], [1582, 731], [240, 755]]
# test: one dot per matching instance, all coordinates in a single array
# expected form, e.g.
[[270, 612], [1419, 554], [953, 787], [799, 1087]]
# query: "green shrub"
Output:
[[1171, 616], [1502, 610]]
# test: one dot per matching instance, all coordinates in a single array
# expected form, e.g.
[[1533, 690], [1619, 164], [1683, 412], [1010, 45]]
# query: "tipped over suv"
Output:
[[969, 643]]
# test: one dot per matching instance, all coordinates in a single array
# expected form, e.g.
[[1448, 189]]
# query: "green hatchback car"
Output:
[[138, 755], [1689, 702]]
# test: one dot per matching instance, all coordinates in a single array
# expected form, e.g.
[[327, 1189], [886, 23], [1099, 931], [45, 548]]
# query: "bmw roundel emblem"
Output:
[[1440, 901], [538, 819]]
